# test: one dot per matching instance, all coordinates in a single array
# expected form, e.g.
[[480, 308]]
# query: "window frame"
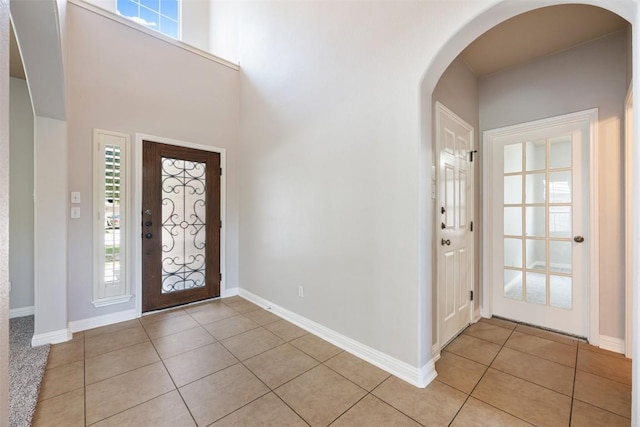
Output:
[[178, 18], [104, 293]]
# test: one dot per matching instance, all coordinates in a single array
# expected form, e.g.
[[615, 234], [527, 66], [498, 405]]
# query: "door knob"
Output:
[[147, 223], [148, 235], [445, 242], [578, 239]]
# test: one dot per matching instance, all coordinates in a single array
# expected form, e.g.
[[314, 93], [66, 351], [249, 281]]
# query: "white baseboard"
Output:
[[22, 311], [419, 377], [435, 352], [230, 292], [477, 315], [612, 344], [53, 337], [107, 319]]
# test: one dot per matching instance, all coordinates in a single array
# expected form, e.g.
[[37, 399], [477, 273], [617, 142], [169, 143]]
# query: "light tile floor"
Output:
[[230, 363]]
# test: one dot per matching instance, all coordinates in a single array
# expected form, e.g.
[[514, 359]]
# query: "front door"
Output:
[[454, 144], [180, 225], [539, 216]]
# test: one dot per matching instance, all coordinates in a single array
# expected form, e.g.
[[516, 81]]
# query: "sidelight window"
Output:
[[111, 283]]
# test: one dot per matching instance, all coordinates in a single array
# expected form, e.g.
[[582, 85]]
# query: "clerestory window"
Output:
[[159, 15]]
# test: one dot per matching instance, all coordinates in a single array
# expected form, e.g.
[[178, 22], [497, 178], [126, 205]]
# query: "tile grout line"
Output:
[[481, 377], [177, 389], [573, 389]]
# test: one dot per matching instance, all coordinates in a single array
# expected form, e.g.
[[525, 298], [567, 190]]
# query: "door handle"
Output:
[[442, 210], [578, 239], [445, 242], [148, 235]]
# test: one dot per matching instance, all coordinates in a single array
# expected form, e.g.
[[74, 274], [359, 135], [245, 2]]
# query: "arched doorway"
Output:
[[490, 18]]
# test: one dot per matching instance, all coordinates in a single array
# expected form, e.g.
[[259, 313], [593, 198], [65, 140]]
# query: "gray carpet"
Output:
[[26, 368]]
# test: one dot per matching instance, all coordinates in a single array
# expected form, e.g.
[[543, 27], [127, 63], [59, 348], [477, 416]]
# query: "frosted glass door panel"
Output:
[[513, 253], [560, 187], [536, 251], [512, 189], [560, 256], [513, 158], [513, 284], [560, 221], [535, 221], [513, 221], [536, 155], [536, 188], [560, 152]]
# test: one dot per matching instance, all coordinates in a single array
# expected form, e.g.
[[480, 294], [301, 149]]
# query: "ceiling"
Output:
[[515, 42], [538, 33]]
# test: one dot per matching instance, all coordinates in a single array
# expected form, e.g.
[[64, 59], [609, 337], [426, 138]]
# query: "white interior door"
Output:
[[539, 216], [454, 145]]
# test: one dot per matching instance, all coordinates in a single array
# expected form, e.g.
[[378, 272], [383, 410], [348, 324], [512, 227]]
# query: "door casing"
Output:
[[136, 228], [593, 305]]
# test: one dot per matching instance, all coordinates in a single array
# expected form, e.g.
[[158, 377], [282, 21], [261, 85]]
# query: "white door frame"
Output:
[[136, 229], [628, 219], [591, 117], [442, 109]]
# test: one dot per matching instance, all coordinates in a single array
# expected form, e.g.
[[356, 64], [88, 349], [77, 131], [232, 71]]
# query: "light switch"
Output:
[[75, 212], [75, 197]]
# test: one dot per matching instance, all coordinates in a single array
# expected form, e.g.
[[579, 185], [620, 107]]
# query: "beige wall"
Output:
[[589, 76], [126, 81], [21, 189], [330, 148]]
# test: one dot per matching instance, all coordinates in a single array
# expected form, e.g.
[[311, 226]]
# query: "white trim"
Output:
[[419, 377], [104, 320], [628, 219], [104, 302], [231, 292], [594, 231], [22, 311], [435, 352], [131, 24], [612, 344], [477, 315], [106, 293], [53, 337], [591, 116], [136, 229]]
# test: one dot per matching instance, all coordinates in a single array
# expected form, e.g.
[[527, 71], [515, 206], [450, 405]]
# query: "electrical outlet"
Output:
[[300, 291]]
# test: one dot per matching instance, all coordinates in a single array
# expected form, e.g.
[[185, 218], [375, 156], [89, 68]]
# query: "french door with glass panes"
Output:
[[539, 220], [180, 225]]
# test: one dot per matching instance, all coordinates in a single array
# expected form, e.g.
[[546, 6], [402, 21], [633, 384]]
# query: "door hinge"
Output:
[[220, 223], [471, 295], [220, 276], [471, 154], [471, 226], [220, 171]]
